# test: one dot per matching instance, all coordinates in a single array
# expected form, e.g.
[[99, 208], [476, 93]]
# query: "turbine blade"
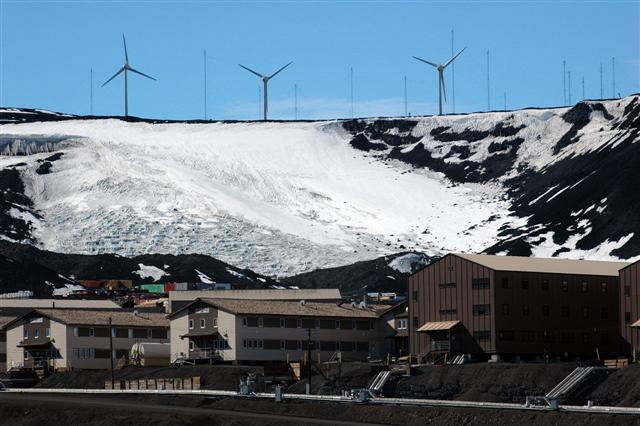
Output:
[[141, 73], [114, 76], [444, 92], [456, 55], [426, 62], [126, 56], [251, 71], [274, 74]]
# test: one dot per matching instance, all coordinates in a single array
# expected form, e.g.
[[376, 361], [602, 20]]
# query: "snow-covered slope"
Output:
[[285, 198]]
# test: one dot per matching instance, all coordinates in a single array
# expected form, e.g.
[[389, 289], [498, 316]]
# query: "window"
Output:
[[159, 333], [506, 335], [92, 332], [25, 333], [190, 324], [525, 310], [565, 286], [627, 290], [402, 324], [282, 323], [271, 322], [139, 333], [585, 312], [481, 309], [250, 322], [603, 287], [545, 310], [75, 331], [192, 346], [299, 323], [564, 311], [480, 283], [47, 332], [604, 313], [203, 323], [337, 324], [505, 309], [254, 343], [447, 285], [215, 322], [627, 317], [36, 333], [546, 337], [584, 287], [26, 354], [545, 285], [450, 311], [526, 336], [505, 282], [414, 295], [203, 310], [482, 335], [525, 284]]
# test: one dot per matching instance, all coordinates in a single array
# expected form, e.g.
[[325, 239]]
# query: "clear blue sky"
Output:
[[48, 48]]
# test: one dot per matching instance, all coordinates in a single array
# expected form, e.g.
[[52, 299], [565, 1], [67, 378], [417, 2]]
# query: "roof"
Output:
[[119, 317], [636, 324], [200, 333], [4, 320], [438, 326], [266, 294], [636, 263], [397, 309], [286, 308], [59, 303], [546, 265]]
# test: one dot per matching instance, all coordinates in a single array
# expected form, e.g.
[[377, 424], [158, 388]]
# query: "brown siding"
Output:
[[630, 277]]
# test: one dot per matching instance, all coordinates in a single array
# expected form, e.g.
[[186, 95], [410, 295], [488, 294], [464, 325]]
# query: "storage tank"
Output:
[[150, 354]]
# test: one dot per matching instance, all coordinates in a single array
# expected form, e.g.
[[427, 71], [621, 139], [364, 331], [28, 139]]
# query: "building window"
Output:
[[450, 311], [525, 284], [584, 287], [564, 311], [565, 286], [36, 333], [506, 335], [481, 309], [447, 285], [505, 282], [526, 336], [92, 332], [202, 310], [282, 323], [26, 354], [47, 332], [190, 324], [603, 287], [627, 290], [192, 346], [215, 322], [414, 296], [505, 309], [545, 285], [604, 313], [337, 324], [545, 310], [627, 317], [25, 334], [203, 323], [482, 335], [525, 310], [480, 283], [585, 312], [402, 324]]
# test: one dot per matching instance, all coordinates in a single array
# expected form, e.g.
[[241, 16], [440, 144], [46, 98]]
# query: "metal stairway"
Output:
[[569, 383], [379, 381]]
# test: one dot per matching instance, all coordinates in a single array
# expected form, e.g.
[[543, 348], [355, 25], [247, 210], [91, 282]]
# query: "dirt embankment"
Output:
[[621, 388]]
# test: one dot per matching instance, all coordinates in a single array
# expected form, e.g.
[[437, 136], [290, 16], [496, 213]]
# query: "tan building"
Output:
[[57, 339], [59, 303], [4, 320], [395, 325], [258, 331], [179, 299]]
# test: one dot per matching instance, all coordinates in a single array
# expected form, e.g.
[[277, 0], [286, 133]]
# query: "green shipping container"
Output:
[[153, 288]]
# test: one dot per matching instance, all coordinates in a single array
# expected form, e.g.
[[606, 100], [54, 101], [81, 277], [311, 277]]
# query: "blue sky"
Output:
[[48, 48]]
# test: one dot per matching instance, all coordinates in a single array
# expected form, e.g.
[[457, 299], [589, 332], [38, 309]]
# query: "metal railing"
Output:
[[440, 345]]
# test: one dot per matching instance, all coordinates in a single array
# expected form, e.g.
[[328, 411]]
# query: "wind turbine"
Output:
[[126, 67], [265, 81], [441, 68]]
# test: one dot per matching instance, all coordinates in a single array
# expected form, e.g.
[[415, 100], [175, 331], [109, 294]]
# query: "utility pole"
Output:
[[295, 101], [309, 362], [453, 76], [569, 77], [564, 83], [259, 103], [613, 76], [505, 100], [583, 96], [488, 85], [111, 354], [351, 70], [205, 84], [405, 96], [601, 85], [91, 93]]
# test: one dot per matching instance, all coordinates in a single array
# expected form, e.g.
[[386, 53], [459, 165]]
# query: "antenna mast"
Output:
[[488, 85], [205, 84], [453, 76], [91, 93], [351, 70], [295, 101], [259, 103], [613, 72], [601, 86], [505, 100], [564, 83], [583, 96], [569, 77], [405, 97]]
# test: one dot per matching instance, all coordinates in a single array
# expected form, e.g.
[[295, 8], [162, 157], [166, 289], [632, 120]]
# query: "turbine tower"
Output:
[[265, 81], [441, 68], [126, 67]]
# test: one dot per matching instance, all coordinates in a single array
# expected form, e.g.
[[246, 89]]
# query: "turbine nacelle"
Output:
[[265, 79], [440, 68]]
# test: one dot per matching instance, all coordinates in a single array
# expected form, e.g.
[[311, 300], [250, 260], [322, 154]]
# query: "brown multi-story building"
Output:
[[630, 307], [510, 305]]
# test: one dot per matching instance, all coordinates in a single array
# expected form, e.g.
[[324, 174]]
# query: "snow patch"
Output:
[[147, 271]]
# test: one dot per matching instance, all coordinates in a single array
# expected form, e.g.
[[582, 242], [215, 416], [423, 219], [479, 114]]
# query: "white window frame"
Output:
[[192, 346], [25, 333], [203, 323], [215, 323], [47, 332], [190, 324], [36, 333]]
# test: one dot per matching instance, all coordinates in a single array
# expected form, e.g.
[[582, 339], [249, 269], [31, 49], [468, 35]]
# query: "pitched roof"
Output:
[[59, 303], [546, 265], [259, 294], [287, 308], [438, 326], [96, 317], [4, 320]]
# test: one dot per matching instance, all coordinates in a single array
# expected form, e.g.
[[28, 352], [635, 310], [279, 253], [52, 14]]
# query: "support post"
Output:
[[111, 351]]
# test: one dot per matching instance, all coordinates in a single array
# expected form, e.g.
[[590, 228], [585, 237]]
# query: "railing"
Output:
[[204, 353], [440, 345]]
